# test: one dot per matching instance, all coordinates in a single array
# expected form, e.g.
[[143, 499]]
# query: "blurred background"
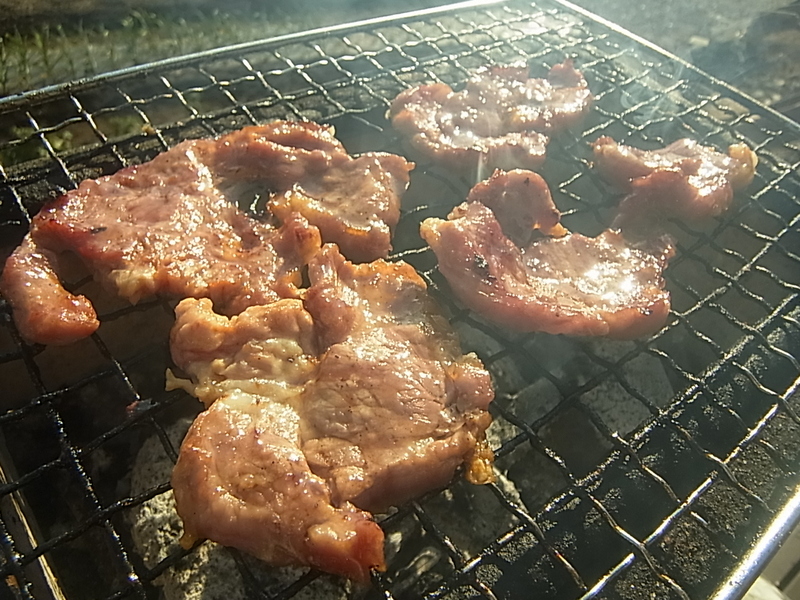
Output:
[[754, 46]]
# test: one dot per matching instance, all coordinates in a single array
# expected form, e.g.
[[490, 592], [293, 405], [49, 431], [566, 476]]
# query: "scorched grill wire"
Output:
[[629, 470]]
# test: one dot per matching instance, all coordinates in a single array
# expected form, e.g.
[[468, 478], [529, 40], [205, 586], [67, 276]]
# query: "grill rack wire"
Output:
[[624, 490]]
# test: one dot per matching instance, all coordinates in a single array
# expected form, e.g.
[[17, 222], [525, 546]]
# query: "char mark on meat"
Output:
[[502, 118], [360, 397], [571, 285], [684, 180], [171, 226]]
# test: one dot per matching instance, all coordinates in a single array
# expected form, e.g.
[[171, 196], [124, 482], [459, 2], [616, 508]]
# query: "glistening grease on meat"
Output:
[[570, 285], [171, 226], [501, 119], [358, 398], [684, 180]]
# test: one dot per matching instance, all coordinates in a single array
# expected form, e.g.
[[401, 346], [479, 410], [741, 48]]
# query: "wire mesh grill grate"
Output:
[[627, 469]]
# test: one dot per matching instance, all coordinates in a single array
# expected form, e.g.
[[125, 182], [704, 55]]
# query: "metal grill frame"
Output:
[[680, 459]]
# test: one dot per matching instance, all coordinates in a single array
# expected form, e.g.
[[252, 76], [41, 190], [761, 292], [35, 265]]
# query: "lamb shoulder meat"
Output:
[[683, 180], [502, 119], [241, 478], [171, 226], [572, 285], [395, 407], [361, 397]]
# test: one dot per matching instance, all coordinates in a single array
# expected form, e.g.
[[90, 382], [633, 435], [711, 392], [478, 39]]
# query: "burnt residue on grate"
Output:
[[625, 469]]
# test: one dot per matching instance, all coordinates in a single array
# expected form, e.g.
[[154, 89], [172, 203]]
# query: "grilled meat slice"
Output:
[[171, 226], [521, 203], [140, 238], [241, 478], [499, 120], [268, 350], [684, 180], [572, 285], [43, 310], [362, 398], [395, 407], [355, 202]]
